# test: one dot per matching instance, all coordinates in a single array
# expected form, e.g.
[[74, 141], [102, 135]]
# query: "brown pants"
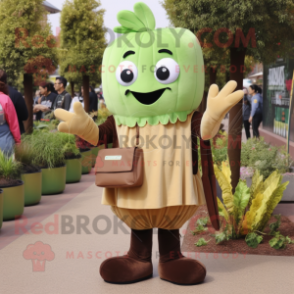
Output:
[[168, 218]]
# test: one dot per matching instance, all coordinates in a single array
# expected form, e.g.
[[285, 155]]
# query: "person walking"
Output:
[[63, 99], [246, 113], [9, 126], [256, 115], [19, 104]]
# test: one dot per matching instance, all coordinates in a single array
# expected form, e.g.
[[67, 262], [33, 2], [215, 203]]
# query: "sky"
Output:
[[112, 7]]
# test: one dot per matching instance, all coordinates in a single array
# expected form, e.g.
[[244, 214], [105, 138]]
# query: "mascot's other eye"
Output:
[[167, 71], [126, 73]]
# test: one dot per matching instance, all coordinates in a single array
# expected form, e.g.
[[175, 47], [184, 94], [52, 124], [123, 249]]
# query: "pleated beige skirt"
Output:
[[168, 218]]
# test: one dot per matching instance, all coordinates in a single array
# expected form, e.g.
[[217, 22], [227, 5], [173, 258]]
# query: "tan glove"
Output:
[[218, 104], [78, 123]]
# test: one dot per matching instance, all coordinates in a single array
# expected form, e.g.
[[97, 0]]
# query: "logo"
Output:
[[39, 253]]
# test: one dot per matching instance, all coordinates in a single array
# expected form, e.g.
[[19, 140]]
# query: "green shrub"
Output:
[[70, 149], [248, 211], [9, 168], [219, 148], [102, 114], [260, 155], [25, 154], [45, 126], [48, 149]]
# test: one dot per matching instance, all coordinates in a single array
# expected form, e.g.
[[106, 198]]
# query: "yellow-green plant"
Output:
[[248, 210], [265, 197]]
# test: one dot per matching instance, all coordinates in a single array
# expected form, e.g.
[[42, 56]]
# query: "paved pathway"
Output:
[[79, 251]]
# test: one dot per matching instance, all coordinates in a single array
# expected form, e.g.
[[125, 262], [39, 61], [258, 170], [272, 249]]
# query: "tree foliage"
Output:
[[256, 28], [23, 37], [82, 40], [271, 21]]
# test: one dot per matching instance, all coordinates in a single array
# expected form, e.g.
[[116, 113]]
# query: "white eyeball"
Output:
[[166, 71], [126, 73]]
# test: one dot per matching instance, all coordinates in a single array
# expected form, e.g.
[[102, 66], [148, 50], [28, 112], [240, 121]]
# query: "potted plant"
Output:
[[87, 160], [12, 186], [73, 158], [87, 155], [1, 208], [49, 157], [31, 174]]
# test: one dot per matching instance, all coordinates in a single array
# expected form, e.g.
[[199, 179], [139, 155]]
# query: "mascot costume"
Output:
[[154, 79]]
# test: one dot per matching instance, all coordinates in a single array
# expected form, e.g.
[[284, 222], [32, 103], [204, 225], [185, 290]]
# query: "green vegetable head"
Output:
[[149, 75]]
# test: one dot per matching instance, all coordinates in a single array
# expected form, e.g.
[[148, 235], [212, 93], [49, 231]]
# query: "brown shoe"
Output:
[[133, 267], [173, 266]]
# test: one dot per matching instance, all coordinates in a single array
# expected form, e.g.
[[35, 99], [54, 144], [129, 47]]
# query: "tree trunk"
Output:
[[236, 117], [29, 93], [86, 86], [228, 77], [212, 75], [212, 80], [72, 88], [201, 108]]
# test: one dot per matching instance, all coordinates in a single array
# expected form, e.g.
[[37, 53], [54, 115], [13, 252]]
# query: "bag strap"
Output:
[[137, 136], [208, 176]]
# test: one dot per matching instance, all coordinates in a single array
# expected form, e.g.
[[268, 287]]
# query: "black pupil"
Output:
[[127, 75], [163, 73]]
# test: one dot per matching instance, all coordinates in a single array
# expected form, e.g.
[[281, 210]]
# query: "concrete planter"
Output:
[[95, 151], [73, 170], [53, 180], [13, 201], [32, 187], [87, 156]]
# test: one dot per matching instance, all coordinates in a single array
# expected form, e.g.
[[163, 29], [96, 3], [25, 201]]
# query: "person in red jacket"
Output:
[[9, 127]]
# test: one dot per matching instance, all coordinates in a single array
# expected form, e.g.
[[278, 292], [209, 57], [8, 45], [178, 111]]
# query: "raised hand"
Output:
[[218, 104], [78, 123]]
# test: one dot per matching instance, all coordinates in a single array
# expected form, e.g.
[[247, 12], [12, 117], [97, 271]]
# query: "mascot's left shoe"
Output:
[[173, 266], [133, 267]]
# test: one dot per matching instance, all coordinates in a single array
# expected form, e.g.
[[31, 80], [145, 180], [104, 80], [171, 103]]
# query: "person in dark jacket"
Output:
[[20, 107], [47, 100], [256, 115], [93, 99], [63, 99], [246, 113]]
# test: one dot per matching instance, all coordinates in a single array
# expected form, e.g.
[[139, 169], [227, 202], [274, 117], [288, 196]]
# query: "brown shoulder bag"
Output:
[[120, 167]]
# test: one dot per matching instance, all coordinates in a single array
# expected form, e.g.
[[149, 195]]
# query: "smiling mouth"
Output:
[[147, 98]]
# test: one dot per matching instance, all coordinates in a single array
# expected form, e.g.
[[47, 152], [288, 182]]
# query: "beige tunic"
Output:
[[168, 177]]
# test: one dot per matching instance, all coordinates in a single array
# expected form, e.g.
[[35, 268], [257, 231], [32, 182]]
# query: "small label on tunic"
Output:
[[115, 157]]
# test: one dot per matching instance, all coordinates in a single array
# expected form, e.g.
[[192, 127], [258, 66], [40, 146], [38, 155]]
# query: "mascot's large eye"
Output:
[[166, 71], [126, 73]]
